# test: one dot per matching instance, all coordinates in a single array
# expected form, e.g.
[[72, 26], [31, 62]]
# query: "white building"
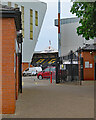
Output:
[[69, 37], [32, 18]]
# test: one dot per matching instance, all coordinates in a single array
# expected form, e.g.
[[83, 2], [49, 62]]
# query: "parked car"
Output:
[[32, 71], [46, 73]]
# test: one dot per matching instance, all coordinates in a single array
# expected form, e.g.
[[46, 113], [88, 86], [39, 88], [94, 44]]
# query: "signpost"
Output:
[[59, 29]]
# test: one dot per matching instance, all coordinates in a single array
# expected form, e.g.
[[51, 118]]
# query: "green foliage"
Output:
[[86, 11]]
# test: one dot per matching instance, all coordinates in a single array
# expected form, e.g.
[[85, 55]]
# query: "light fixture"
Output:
[[91, 52]]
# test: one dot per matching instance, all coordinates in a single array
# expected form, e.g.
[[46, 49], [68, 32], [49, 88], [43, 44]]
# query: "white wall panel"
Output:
[[70, 39]]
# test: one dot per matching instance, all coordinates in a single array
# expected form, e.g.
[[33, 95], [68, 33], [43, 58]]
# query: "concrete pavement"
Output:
[[40, 99]]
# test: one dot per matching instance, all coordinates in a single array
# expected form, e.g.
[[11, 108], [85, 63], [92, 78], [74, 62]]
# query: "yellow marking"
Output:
[[62, 66], [45, 61], [36, 83], [22, 83], [52, 61], [40, 61]]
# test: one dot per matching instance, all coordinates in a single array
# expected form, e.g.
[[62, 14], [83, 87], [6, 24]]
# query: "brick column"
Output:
[[8, 76], [0, 66]]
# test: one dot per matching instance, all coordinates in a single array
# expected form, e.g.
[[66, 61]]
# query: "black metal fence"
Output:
[[70, 73], [67, 68]]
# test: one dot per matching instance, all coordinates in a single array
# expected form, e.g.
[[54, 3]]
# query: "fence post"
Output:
[[71, 57], [57, 70], [81, 67]]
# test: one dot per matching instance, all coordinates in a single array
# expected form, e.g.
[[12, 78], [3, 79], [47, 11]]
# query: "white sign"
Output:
[[64, 67], [87, 64], [90, 65], [60, 67]]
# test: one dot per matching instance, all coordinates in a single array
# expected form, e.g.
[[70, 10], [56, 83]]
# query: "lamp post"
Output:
[[59, 30], [59, 45]]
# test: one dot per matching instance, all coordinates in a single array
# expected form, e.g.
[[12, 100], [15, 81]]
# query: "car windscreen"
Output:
[[53, 69], [46, 70], [50, 69]]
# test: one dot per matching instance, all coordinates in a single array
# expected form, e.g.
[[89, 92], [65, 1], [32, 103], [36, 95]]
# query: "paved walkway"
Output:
[[40, 99]]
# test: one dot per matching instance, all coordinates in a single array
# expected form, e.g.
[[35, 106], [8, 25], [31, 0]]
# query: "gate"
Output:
[[67, 68]]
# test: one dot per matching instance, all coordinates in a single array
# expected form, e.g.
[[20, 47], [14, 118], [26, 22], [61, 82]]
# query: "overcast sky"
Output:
[[48, 30]]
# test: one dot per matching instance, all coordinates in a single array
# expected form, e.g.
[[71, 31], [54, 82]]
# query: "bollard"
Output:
[[50, 77]]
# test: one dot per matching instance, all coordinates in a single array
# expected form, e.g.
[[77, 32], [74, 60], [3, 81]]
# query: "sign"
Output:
[[62, 67], [87, 64], [81, 66], [90, 65]]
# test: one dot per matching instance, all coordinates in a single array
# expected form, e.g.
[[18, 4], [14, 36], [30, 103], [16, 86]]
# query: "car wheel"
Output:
[[40, 77]]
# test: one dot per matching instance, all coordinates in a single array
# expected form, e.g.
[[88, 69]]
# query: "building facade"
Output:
[[33, 13], [70, 41], [69, 37], [31, 16], [87, 62], [10, 23]]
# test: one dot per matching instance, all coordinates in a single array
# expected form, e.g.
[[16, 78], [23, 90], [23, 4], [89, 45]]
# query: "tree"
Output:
[[86, 11]]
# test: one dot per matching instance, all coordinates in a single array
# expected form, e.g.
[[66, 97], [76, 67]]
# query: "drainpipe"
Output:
[[19, 36]]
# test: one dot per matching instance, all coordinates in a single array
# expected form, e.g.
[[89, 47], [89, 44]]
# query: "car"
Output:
[[32, 71], [46, 73]]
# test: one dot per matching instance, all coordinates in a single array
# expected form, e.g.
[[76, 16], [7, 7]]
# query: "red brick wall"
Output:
[[8, 76], [25, 66], [88, 72], [0, 66]]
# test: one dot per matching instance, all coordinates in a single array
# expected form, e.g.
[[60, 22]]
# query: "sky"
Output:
[[48, 30]]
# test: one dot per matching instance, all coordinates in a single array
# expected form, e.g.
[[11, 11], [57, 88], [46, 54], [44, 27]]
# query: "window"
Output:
[[31, 24], [9, 4], [46, 70], [53, 69], [22, 16], [36, 18], [16, 6]]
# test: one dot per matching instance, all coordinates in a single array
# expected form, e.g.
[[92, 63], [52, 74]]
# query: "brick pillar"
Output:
[[8, 76], [0, 66]]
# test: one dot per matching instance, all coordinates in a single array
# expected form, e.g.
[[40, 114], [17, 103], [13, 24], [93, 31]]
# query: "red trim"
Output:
[[58, 22]]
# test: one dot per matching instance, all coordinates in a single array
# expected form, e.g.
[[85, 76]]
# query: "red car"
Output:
[[46, 73]]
